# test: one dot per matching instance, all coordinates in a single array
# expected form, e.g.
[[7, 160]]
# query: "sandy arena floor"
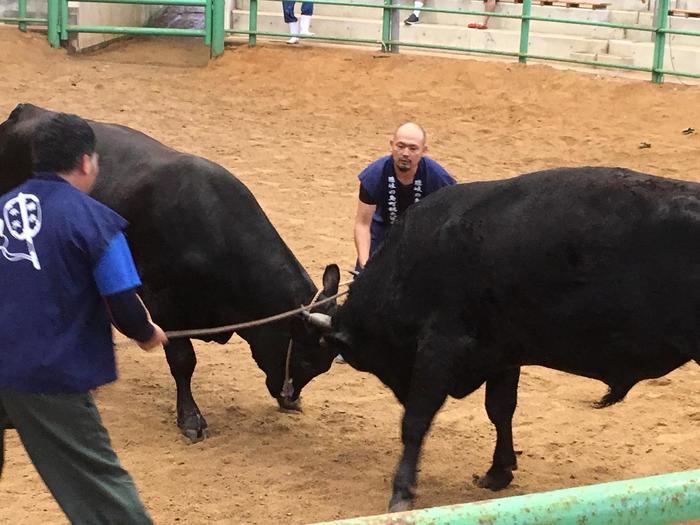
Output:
[[296, 125]]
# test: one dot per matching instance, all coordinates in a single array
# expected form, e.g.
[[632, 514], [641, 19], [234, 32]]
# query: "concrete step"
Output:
[[320, 25], [492, 39], [367, 13], [319, 9], [604, 58], [685, 24], [691, 5], [647, 20], [629, 5], [677, 57]]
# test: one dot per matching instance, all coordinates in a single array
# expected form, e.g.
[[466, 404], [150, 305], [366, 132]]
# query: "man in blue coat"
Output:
[[391, 184], [66, 274]]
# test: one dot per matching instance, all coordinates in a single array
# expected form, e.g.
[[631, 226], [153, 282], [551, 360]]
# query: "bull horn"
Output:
[[319, 320]]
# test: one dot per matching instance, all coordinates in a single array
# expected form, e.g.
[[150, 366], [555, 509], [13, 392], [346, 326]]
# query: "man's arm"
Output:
[[130, 317], [363, 239], [117, 279]]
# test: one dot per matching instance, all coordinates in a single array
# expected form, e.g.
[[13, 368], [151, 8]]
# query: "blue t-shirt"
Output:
[[380, 182], [55, 333]]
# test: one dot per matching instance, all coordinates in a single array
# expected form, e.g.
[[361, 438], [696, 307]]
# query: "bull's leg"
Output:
[[501, 400], [416, 422], [2, 449], [427, 392], [182, 361]]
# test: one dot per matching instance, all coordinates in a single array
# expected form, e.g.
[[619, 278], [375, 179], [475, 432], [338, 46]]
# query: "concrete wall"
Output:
[[89, 14], [35, 8]]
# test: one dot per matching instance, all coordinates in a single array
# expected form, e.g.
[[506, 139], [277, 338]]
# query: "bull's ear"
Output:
[[331, 278]]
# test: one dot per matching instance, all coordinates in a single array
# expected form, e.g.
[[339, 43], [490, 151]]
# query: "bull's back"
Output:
[[557, 265]]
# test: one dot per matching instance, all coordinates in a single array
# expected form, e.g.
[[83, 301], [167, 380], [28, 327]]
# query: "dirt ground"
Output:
[[296, 125]]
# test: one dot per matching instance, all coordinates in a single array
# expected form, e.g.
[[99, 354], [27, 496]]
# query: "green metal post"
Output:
[[660, 41], [63, 19], [386, 25], [654, 500], [217, 28], [54, 35], [208, 12], [524, 31], [253, 23], [22, 13]]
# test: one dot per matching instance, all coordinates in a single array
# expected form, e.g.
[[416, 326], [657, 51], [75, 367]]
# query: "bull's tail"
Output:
[[616, 393]]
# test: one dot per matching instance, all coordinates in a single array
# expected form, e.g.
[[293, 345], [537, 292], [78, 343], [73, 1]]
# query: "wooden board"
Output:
[[568, 3], [684, 12]]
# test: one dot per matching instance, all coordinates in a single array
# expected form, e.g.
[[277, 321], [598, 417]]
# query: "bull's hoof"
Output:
[[193, 427], [400, 505], [195, 435], [287, 404], [494, 480]]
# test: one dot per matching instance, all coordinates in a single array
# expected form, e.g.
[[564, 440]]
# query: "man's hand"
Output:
[[157, 339]]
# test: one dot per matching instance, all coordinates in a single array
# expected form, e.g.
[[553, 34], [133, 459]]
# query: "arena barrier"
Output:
[[391, 24], [21, 19], [58, 26], [655, 500]]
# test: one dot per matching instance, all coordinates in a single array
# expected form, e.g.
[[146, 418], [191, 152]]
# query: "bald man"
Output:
[[391, 184]]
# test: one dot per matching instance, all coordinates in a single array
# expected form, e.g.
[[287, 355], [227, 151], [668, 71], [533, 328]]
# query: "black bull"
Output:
[[207, 254], [591, 271]]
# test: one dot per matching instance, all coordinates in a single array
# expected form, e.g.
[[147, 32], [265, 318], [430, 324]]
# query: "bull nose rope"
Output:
[[288, 385], [171, 334]]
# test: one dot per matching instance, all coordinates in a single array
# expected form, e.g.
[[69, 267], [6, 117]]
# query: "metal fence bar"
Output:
[[154, 31], [661, 24], [217, 27], [18, 20], [654, 500], [324, 38], [252, 22], [195, 3], [63, 18], [524, 31], [386, 25], [208, 14], [22, 13], [53, 28]]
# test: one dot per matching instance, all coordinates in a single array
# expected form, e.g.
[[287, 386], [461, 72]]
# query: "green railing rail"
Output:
[[660, 29], [58, 26], [22, 20], [655, 500]]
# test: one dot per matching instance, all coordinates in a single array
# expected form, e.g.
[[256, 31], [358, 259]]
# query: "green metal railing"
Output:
[[655, 500], [58, 26], [660, 30], [58, 29], [21, 19]]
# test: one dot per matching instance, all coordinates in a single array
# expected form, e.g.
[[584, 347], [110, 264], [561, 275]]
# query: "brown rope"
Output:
[[251, 324]]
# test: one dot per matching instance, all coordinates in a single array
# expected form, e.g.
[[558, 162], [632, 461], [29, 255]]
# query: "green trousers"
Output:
[[70, 448]]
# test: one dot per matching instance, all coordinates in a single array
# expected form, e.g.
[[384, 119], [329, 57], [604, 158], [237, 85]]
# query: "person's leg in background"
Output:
[[489, 7], [414, 17], [289, 18], [307, 10]]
